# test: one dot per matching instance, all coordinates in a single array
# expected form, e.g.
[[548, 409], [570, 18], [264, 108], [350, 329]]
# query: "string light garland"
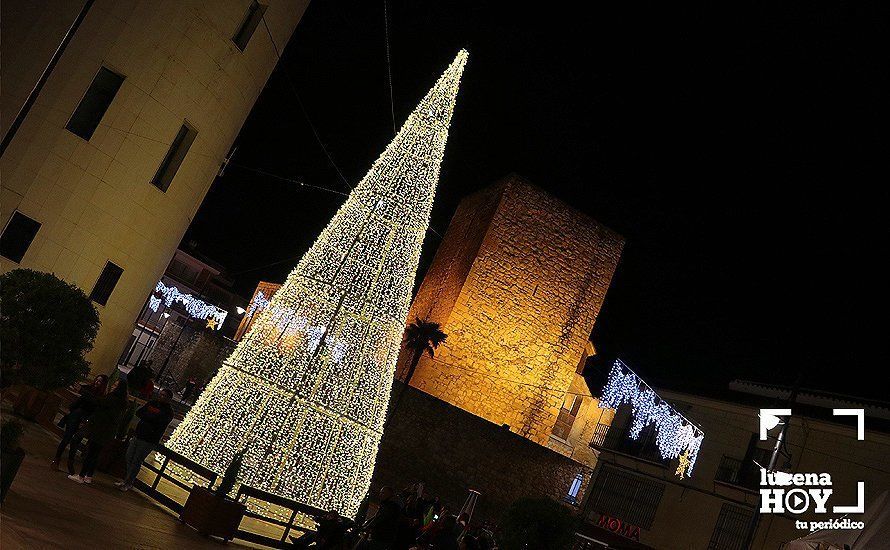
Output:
[[306, 390], [258, 304], [195, 307], [675, 437]]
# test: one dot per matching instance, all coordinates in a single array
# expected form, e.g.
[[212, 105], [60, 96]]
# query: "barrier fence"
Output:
[[256, 527]]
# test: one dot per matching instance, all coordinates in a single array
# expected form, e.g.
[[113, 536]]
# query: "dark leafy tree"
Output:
[[538, 523], [421, 337], [46, 326]]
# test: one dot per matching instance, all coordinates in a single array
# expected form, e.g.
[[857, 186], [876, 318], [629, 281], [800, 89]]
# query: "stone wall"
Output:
[[452, 451], [516, 284], [198, 354]]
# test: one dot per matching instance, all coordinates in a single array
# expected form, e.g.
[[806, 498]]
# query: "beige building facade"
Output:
[[639, 498], [112, 161]]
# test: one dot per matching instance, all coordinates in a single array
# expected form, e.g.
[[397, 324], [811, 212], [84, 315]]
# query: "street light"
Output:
[[240, 310]]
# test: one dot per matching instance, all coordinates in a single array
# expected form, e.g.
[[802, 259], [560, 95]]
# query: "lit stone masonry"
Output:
[[516, 284], [306, 391]]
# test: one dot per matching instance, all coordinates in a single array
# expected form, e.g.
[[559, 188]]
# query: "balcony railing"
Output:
[[599, 435], [739, 473], [619, 440]]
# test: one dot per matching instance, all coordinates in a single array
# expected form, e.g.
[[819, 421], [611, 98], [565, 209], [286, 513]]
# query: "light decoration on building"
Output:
[[682, 464], [306, 390], [258, 304], [196, 308], [675, 435]]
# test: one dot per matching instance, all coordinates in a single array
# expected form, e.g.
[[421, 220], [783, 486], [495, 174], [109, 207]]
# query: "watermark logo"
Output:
[[782, 492]]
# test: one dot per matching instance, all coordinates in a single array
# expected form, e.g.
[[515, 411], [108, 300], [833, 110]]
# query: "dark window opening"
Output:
[[174, 157], [251, 21], [95, 102], [645, 446], [732, 529], [625, 496], [17, 236], [106, 283], [567, 415]]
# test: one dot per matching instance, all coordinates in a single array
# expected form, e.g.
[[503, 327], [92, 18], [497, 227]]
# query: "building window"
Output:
[[732, 529], [174, 157], [183, 272], [106, 283], [645, 446], [95, 102], [567, 415], [626, 496], [17, 236], [599, 434], [251, 21], [575, 488]]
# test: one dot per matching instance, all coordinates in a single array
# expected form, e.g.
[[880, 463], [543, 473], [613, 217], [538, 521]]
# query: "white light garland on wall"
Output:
[[307, 388], [195, 307], [258, 304], [675, 434]]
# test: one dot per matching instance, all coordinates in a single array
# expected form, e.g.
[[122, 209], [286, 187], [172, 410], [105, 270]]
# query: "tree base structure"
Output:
[[212, 515]]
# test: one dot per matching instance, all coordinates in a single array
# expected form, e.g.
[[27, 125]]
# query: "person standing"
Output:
[[382, 528], [101, 429], [77, 415], [147, 389], [154, 417], [189, 388]]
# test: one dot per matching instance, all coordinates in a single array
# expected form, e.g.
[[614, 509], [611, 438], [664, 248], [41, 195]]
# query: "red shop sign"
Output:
[[620, 527]]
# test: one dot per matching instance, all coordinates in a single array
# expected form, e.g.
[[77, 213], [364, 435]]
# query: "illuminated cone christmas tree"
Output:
[[307, 389]]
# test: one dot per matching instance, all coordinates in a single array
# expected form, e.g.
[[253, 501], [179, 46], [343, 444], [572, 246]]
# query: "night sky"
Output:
[[734, 148]]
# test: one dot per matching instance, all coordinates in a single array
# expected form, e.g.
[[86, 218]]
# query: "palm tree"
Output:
[[421, 336]]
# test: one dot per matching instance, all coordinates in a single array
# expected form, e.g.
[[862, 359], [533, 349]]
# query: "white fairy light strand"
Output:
[[258, 304], [675, 434], [306, 390], [195, 307]]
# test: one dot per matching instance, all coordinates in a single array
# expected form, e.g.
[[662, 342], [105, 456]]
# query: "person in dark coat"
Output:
[[444, 536], [189, 388], [77, 415], [154, 417], [101, 429], [383, 527]]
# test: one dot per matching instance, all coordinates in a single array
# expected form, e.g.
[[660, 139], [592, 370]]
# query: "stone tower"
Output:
[[517, 284]]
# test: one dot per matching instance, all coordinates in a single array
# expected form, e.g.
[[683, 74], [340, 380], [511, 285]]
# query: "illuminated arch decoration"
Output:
[[675, 435], [307, 389]]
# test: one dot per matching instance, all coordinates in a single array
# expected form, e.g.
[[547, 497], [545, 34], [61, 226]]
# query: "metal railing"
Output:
[[619, 440], [599, 435], [245, 493], [162, 473]]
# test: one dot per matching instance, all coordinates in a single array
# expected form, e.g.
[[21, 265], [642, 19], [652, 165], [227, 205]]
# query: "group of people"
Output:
[[408, 520], [97, 415], [411, 520]]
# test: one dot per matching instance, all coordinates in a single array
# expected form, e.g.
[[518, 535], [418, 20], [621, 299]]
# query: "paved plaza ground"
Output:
[[44, 509]]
